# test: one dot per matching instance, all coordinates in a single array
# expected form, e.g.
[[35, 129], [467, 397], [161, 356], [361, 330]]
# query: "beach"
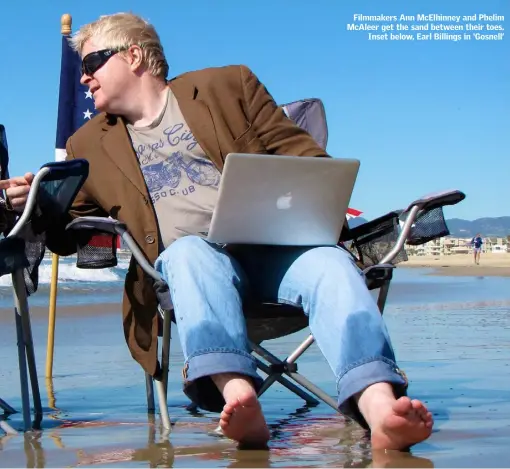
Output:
[[450, 334], [463, 264]]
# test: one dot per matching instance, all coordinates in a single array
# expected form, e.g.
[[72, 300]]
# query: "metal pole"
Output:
[[65, 29], [51, 316]]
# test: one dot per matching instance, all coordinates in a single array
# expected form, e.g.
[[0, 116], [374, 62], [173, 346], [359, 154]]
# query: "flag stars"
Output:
[[87, 114], [88, 94]]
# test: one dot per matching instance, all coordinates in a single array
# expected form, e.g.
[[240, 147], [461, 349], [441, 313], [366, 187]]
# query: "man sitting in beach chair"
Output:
[[141, 150]]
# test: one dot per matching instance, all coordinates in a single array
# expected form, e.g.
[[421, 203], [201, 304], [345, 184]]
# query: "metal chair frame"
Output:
[[377, 276]]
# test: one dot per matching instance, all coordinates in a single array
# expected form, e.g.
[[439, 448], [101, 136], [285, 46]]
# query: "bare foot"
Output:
[[242, 420], [405, 423], [394, 424]]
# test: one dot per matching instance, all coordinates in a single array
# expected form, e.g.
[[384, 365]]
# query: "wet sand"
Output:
[[461, 265], [67, 311], [451, 340]]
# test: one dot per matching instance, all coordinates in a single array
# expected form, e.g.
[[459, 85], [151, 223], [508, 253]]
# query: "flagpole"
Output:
[[65, 30]]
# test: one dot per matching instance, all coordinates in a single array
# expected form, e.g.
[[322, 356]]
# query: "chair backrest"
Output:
[[4, 154], [53, 190], [6, 218], [310, 115]]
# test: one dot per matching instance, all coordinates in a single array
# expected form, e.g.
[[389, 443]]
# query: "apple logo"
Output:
[[284, 202]]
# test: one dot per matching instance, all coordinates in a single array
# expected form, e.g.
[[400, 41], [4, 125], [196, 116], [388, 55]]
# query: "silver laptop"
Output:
[[282, 200]]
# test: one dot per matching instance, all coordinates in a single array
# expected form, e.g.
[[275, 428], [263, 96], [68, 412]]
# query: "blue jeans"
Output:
[[209, 283]]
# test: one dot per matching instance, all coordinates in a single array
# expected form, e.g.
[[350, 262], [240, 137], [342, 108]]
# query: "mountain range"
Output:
[[459, 228]]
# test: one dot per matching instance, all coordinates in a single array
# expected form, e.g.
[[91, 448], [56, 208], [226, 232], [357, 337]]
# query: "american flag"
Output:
[[75, 102], [353, 213]]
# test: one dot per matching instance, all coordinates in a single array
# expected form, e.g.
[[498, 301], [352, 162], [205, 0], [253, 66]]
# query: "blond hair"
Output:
[[121, 30]]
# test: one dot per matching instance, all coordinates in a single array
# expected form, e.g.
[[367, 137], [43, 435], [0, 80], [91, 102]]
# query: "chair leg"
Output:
[[26, 329], [163, 407], [151, 407], [165, 349], [162, 383], [22, 360], [277, 376], [383, 295], [6, 407], [7, 428], [310, 400], [298, 378], [29, 346]]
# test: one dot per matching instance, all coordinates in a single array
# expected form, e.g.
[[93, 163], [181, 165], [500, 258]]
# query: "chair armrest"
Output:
[[437, 199], [426, 218], [420, 222], [52, 191], [99, 224]]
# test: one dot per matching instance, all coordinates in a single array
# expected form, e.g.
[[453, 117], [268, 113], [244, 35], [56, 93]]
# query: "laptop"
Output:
[[282, 200]]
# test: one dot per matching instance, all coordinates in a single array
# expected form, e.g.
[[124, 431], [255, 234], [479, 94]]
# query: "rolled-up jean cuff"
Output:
[[200, 388], [357, 378]]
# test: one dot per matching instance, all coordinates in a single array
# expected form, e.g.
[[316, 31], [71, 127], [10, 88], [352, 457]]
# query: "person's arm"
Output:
[[278, 133]]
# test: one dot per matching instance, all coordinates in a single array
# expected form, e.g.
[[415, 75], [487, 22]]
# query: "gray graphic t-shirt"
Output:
[[182, 181]]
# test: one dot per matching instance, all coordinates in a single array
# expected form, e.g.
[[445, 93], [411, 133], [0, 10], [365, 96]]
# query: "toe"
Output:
[[417, 405], [223, 424], [420, 409], [225, 416], [402, 406], [229, 408]]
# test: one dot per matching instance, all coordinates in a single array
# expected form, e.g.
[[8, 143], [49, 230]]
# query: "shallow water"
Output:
[[451, 336]]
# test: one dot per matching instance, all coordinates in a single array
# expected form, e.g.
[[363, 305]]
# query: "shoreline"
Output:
[[456, 271], [462, 265], [64, 311]]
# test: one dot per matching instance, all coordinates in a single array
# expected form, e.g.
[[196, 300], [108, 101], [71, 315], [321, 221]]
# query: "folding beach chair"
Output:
[[21, 251], [377, 247]]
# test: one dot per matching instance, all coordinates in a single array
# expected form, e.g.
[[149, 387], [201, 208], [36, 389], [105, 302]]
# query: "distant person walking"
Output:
[[477, 242]]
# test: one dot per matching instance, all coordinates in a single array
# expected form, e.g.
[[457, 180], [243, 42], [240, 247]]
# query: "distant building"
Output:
[[451, 245]]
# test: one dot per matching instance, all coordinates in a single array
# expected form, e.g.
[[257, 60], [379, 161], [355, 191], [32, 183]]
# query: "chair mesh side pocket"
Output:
[[12, 255], [100, 252], [34, 250], [429, 225], [373, 241]]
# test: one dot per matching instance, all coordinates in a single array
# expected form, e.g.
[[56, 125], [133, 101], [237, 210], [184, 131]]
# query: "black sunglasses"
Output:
[[92, 62]]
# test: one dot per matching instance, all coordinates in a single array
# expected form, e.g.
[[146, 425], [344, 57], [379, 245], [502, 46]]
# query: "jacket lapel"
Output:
[[117, 144], [198, 117], [118, 148]]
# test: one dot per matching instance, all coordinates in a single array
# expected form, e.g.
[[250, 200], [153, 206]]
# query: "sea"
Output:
[[451, 336]]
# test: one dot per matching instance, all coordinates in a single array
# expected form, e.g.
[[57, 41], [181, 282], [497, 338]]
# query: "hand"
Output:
[[17, 190]]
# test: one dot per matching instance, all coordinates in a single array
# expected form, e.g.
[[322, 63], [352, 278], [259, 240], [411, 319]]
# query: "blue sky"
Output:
[[421, 116]]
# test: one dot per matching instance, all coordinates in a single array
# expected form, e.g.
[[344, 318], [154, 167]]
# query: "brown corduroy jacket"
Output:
[[228, 110]]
